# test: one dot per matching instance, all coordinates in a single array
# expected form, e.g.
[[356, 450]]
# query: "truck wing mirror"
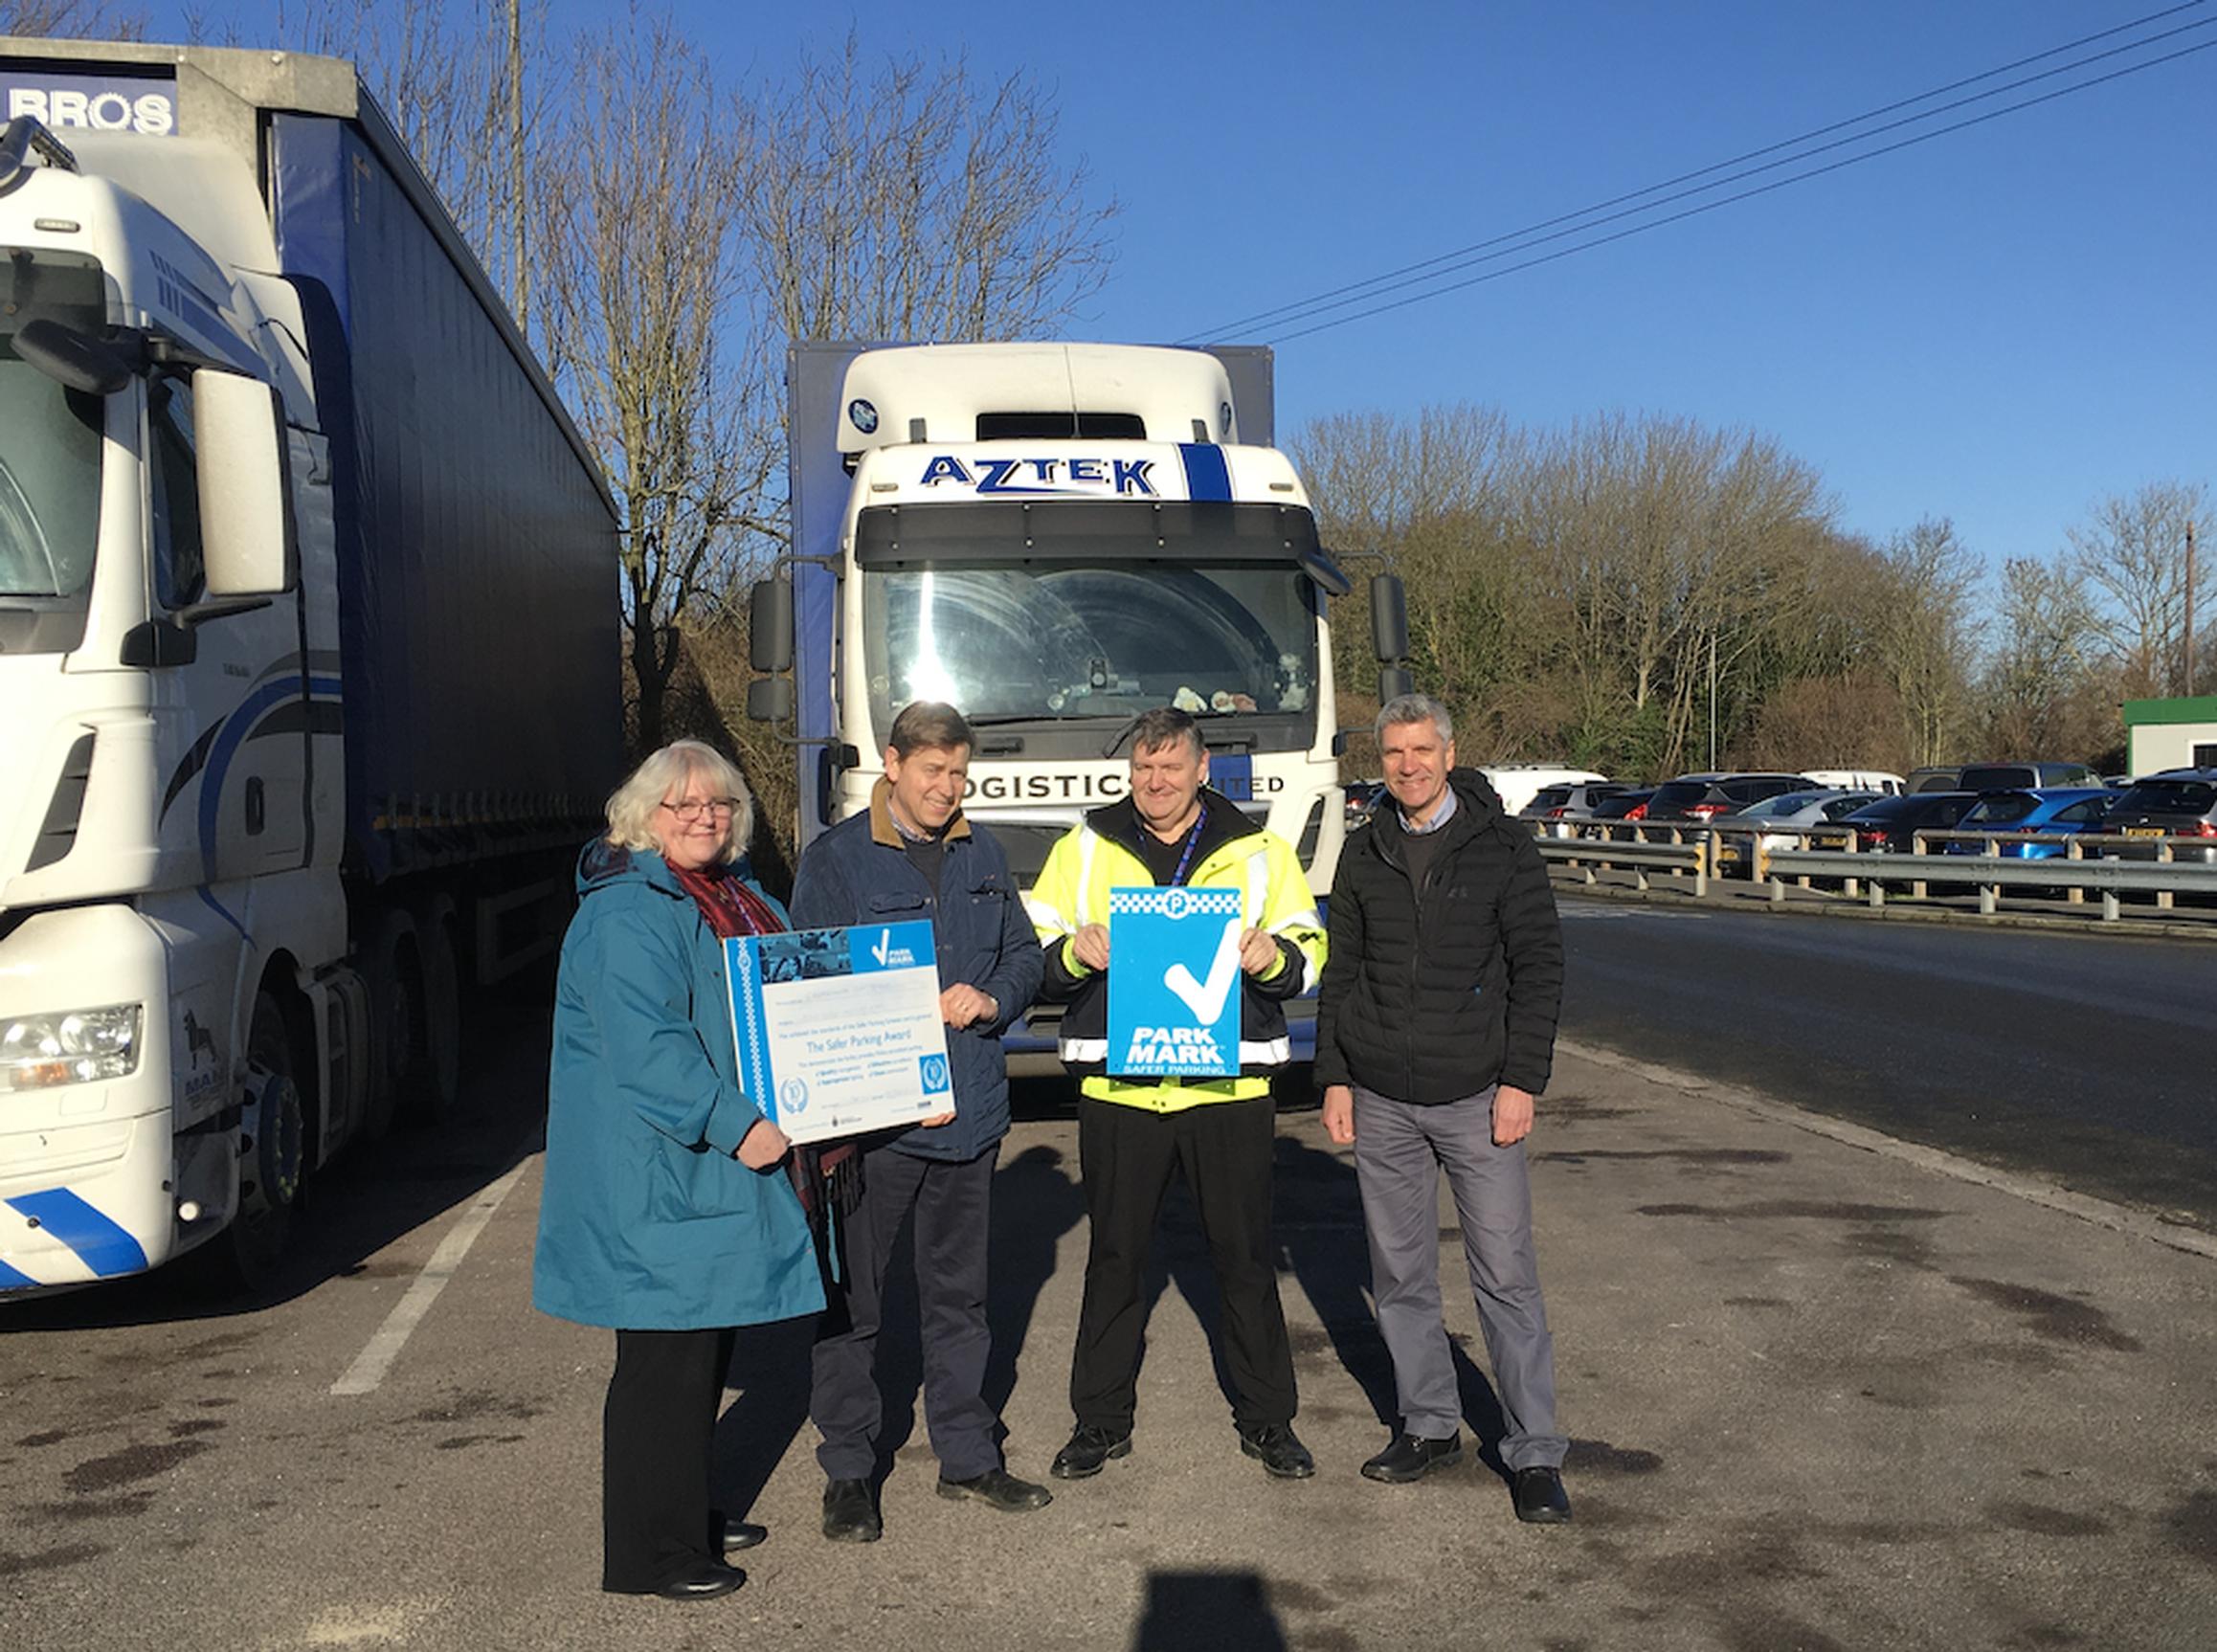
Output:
[[246, 526], [1389, 616], [770, 625], [1325, 575], [770, 700], [74, 360]]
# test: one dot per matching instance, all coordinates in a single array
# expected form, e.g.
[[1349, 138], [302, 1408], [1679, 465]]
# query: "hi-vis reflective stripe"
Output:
[[1258, 894], [1253, 1052], [101, 1243], [11, 1280]]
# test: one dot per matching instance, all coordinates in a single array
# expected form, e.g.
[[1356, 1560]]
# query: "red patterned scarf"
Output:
[[727, 904]]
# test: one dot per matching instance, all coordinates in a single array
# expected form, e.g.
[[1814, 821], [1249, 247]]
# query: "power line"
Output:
[[1461, 258], [1745, 194], [1383, 285]]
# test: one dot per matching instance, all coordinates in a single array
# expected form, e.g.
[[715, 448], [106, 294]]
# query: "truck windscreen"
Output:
[[50, 458], [1054, 639]]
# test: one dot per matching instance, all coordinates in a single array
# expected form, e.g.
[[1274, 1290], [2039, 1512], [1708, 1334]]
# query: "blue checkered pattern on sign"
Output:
[[1176, 902]]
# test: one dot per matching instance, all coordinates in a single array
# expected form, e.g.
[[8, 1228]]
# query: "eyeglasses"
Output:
[[723, 807]]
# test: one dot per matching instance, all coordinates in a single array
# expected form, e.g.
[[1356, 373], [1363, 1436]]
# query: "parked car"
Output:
[[2024, 776], [1516, 784], [2176, 803], [2064, 810], [1702, 797], [1940, 778], [1888, 826], [1556, 807], [1879, 782], [1360, 797], [1788, 809], [1630, 805]]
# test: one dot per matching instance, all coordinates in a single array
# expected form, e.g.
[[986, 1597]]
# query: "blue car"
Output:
[[2061, 810]]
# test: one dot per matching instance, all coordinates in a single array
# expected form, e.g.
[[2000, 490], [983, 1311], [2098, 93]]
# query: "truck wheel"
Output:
[[272, 1158], [435, 1075], [392, 972]]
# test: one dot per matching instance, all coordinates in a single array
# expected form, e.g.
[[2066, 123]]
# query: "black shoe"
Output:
[[1412, 1457], [730, 1535], [702, 1580], [1539, 1496], [850, 1513], [1088, 1449], [998, 1488], [1282, 1452]]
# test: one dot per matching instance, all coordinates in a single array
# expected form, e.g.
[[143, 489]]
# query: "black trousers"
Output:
[[1127, 1157], [656, 1434], [953, 1205]]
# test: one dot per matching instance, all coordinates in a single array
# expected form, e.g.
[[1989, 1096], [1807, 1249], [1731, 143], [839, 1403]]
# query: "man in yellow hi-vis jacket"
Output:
[[1173, 830]]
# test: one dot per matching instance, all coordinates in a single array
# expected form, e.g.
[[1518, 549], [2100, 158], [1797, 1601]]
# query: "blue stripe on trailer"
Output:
[[1206, 475], [105, 1246], [11, 1280]]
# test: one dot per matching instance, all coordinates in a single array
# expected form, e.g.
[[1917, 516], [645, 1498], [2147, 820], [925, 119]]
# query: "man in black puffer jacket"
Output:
[[1435, 1030]]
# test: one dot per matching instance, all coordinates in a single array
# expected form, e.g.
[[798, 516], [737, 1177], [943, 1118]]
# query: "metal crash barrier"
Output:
[[2085, 863]]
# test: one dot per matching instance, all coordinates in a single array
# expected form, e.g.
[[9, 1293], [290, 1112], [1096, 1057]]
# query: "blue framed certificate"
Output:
[[838, 1031], [1173, 983]]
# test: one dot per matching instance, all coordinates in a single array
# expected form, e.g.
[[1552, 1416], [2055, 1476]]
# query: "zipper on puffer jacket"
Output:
[[1416, 970]]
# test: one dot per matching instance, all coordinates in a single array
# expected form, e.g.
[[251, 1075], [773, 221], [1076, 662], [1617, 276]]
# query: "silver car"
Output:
[[1557, 807], [1800, 809]]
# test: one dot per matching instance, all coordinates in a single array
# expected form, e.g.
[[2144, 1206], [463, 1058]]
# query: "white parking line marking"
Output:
[[380, 1352]]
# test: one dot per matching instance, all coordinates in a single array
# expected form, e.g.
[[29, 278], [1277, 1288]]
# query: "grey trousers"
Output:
[[1400, 1151]]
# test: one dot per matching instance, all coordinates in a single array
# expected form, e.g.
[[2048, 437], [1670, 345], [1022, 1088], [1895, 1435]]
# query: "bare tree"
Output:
[[1924, 634], [71, 20], [2043, 676], [1854, 720], [912, 202], [638, 277], [464, 88], [2132, 551], [1431, 495]]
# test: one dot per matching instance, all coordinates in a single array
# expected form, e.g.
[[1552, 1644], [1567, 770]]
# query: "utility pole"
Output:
[[2189, 608]]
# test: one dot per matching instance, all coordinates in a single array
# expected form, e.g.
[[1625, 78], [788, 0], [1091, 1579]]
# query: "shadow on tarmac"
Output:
[[1321, 1243], [1208, 1611]]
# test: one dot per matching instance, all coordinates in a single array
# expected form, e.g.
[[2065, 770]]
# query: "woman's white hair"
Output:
[[664, 777]]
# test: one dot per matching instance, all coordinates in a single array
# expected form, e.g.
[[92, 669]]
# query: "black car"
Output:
[[1889, 826], [1631, 805], [1360, 798], [2177, 803], [1702, 797]]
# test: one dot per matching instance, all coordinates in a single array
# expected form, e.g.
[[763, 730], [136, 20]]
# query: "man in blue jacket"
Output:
[[915, 855]]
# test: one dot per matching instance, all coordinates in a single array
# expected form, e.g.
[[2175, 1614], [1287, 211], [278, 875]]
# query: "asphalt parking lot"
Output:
[[1824, 1393]]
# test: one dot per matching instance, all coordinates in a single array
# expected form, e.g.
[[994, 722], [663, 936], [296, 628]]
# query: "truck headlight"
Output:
[[69, 1047]]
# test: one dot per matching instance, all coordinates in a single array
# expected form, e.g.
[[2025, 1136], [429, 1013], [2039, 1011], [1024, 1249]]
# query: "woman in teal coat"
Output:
[[666, 1215]]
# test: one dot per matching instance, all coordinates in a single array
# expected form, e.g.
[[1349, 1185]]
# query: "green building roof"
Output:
[[2201, 708]]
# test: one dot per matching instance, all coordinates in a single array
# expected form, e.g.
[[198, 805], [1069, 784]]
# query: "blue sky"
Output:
[[2001, 326]]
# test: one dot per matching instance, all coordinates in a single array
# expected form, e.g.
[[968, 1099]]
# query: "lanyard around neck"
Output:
[[1192, 842]]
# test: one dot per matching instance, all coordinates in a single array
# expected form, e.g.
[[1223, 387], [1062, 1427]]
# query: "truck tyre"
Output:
[[434, 1078], [392, 972], [246, 1257]]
